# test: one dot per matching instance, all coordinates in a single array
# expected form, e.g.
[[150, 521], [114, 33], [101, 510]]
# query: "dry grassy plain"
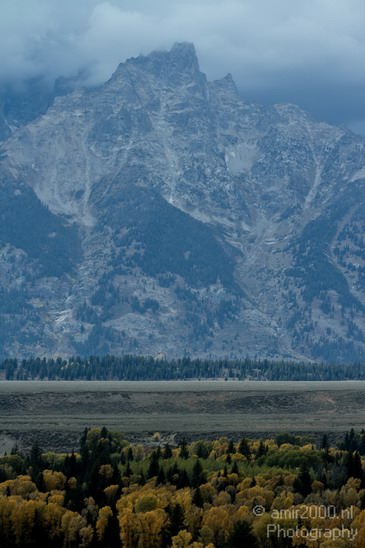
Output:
[[58, 411]]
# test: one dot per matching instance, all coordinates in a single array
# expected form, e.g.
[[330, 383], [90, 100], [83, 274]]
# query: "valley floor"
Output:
[[57, 412]]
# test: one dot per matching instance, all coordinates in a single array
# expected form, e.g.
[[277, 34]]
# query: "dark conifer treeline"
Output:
[[147, 368]]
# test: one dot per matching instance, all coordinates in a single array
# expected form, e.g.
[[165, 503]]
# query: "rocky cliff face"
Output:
[[163, 212]]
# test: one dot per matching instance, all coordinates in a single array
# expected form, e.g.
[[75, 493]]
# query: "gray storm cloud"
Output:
[[311, 52]]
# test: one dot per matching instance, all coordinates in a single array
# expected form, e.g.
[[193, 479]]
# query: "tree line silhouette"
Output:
[[131, 367]]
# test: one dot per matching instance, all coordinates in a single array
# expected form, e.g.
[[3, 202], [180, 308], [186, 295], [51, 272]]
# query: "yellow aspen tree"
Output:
[[128, 529], [86, 536], [52, 518], [206, 535], [183, 497], [138, 452], [104, 516], [219, 521], [317, 486], [243, 513], [106, 471], [260, 528], [152, 524], [359, 525], [22, 486], [7, 506], [72, 483], [193, 520], [222, 499], [182, 539], [53, 480], [56, 497], [71, 525], [23, 518], [90, 508], [138, 530], [111, 493], [207, 492]]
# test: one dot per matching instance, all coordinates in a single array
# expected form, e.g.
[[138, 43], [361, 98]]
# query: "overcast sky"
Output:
[[311, 52]]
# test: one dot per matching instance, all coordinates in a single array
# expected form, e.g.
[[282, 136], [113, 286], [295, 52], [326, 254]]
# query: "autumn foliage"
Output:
[[218, 493]]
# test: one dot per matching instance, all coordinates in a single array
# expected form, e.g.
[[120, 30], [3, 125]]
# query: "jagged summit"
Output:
[[160, 211], [181, 59], [226, 85], [184, 54]]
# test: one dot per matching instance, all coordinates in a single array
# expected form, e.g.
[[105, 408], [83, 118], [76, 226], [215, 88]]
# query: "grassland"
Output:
[[58, 411]]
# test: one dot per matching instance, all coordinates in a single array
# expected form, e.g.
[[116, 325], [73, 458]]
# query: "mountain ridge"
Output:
[[238, 224]]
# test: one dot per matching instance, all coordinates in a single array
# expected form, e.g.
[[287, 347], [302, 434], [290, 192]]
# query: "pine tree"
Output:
[[231, 448], [303, 483], [84, 452], [153, 466], [261, 450], [183, 480], [362, 443], [104, 432], [184, 453], [36, 464], [197, 498], [243, 448], [242, 536], [167, 453], [196, 478], [176, 519], [128, 470], [161, 478], [354, 466], [324, 442], [235, 468]]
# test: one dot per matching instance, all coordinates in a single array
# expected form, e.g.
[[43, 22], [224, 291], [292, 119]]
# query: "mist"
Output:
[[311, 53]]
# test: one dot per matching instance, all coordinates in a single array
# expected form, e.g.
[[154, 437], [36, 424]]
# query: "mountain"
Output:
[[161, 212], [22, 103]]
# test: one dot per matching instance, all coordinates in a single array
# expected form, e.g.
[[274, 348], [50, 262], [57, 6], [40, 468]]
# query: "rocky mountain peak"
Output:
[[226, 86], [184, 55], [181, 57], [162, 212], [178, 64]]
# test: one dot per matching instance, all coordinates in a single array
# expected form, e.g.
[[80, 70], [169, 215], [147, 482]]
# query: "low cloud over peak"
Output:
[[311, 53]]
